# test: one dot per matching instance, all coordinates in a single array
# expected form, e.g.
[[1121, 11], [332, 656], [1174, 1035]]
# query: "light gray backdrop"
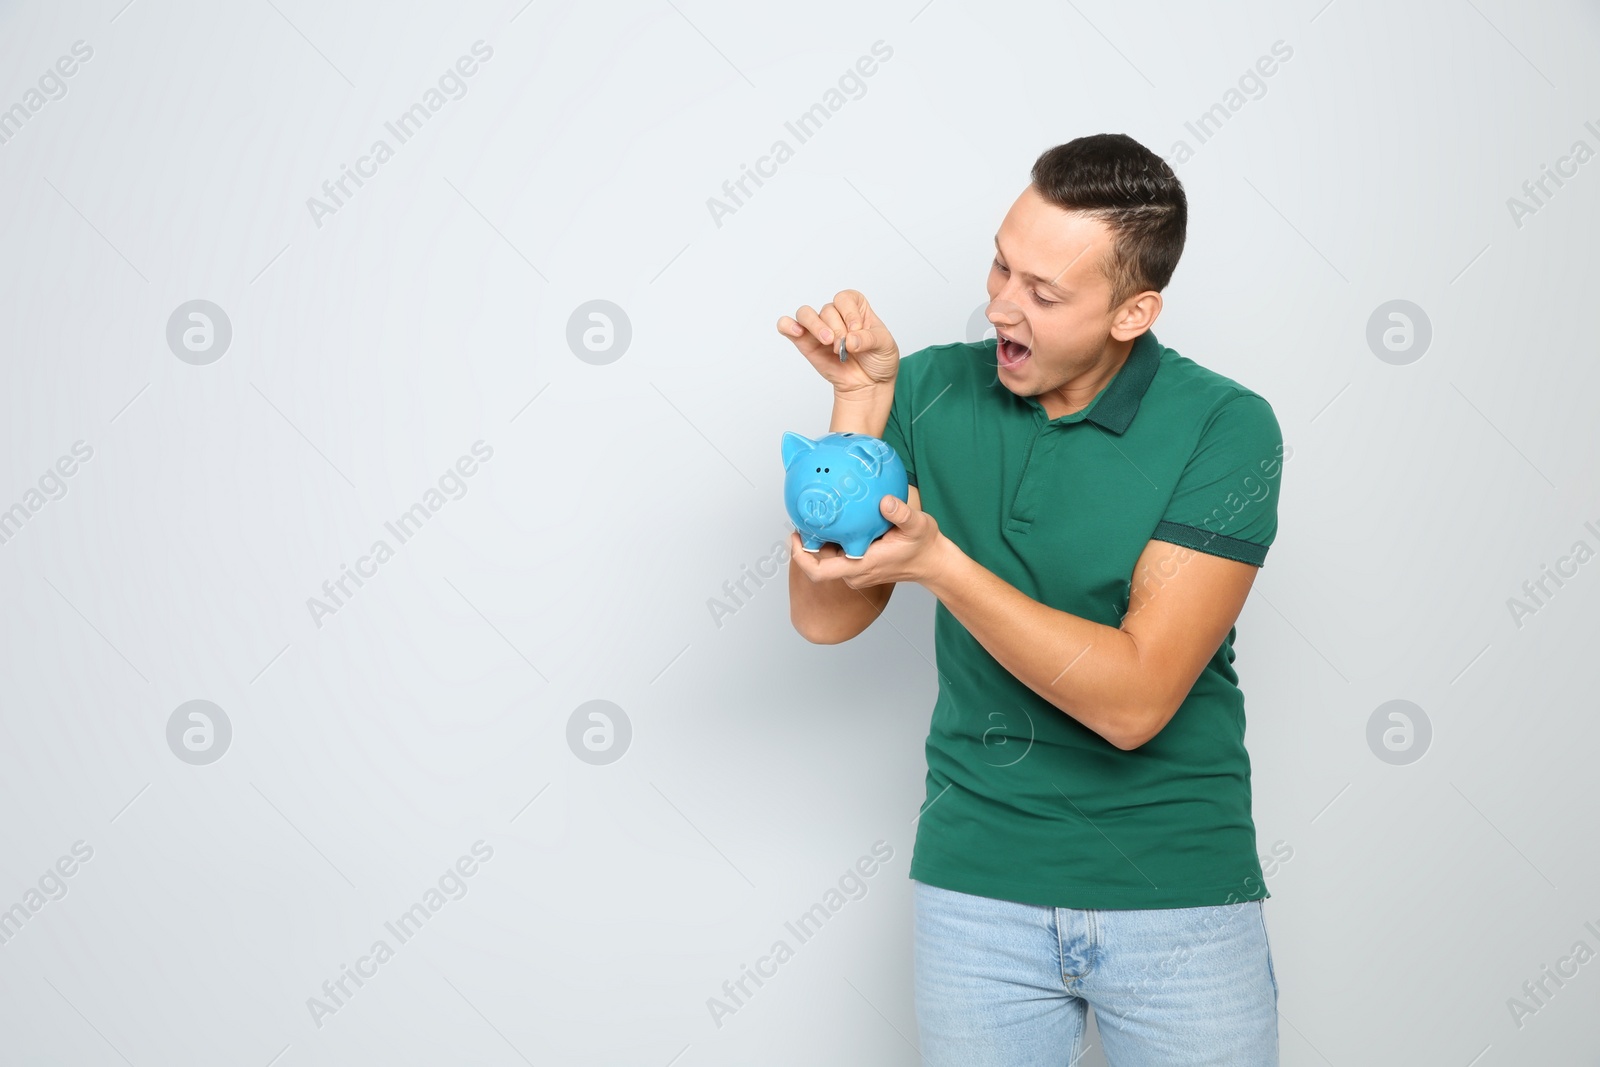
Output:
[[183, 478]]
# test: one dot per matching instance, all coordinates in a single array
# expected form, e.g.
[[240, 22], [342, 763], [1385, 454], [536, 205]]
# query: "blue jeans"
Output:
[[1003, 984]]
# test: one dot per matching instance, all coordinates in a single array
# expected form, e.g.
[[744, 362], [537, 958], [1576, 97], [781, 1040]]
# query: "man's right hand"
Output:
[[874, 358]]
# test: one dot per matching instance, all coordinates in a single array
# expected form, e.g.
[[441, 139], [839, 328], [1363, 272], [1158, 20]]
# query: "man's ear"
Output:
[[1137, 314]]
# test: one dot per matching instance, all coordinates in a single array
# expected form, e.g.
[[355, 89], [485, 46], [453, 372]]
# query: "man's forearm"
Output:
[[864, 411], [826, 613], [1088, 670]]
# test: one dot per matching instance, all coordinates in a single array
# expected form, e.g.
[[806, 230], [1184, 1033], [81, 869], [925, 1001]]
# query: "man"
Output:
[[1089, 508]]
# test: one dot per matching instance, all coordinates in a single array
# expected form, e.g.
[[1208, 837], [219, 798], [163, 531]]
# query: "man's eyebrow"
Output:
[[1034, 277]]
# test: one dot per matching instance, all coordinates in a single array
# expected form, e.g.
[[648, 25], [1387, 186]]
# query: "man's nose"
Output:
[[1003, 311]]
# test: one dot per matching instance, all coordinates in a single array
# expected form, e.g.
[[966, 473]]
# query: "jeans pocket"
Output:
[[1261, 912]]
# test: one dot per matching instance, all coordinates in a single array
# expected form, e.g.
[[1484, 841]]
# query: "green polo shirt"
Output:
[[1023, 802]]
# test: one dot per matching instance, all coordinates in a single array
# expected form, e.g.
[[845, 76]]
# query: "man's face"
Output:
[[1055, 329]]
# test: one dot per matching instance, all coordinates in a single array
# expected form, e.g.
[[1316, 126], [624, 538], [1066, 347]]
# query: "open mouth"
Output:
[[1009, 354]]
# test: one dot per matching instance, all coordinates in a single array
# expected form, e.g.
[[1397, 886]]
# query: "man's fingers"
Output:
[[827, 326], [813, 564], [812, 321], [851, 305], [860, 339], [845, 314], [834, 321], [808, 562]]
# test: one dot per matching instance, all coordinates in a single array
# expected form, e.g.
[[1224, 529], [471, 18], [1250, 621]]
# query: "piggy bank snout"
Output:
[[819, 505]]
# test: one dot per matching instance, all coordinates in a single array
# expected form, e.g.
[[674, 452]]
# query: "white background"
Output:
[[432, 709]]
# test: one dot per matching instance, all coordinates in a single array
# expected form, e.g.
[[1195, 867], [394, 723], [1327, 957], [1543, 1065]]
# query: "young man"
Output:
[[1089, 508]]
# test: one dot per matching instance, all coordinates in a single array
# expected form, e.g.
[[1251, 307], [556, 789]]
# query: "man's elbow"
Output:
[[1140, 726], [821, 638], [822, 635], [1127, 741]]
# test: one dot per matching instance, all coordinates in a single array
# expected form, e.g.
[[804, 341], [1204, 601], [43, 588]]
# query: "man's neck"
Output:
[[1075, 394]]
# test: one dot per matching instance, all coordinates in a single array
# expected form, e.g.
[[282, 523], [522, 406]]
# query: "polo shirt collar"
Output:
[[1115, 406]]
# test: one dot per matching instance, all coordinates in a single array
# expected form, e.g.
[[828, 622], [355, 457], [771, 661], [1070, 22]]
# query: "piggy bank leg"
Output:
[[857, 549], [809, 543]]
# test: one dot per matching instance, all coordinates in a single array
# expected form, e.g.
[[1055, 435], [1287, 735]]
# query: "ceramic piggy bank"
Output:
[[832, 487]]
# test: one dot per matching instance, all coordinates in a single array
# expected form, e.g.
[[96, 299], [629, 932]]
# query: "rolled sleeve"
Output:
[[1226, 500]]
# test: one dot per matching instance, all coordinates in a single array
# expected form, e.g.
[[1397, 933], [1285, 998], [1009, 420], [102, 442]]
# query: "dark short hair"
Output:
[[1113, 178]]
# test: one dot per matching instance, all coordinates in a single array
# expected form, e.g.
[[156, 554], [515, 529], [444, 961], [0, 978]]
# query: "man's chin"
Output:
[[1019, 380]]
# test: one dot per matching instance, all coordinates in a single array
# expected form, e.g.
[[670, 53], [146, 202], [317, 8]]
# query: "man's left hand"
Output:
[[908, 552]]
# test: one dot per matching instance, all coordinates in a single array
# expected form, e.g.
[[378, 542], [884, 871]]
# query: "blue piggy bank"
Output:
[[832, 486]]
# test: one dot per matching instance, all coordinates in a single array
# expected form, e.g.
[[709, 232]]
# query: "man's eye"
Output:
[[1037, 299]]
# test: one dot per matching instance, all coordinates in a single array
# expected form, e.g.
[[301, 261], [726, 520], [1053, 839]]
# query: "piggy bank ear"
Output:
[[869, 454], [795, 445]]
